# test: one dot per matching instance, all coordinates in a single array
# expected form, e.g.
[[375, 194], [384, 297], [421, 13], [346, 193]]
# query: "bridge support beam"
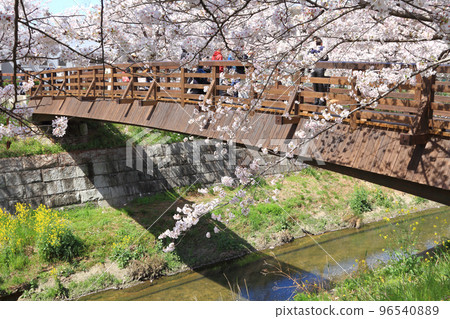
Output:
[[429, 192]]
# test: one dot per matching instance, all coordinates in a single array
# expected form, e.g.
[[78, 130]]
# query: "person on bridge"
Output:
[[319, 72], [217, 56]]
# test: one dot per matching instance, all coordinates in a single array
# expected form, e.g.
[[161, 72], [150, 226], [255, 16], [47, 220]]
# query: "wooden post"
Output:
[[301, 99], [252, 93], [94, 80], [134, 79], [79, 81], [214, 72], [52, 83], [157, 79], [354, 116], [423, 97], [67, 80], [183, 85], [113, 79], [65, 83]]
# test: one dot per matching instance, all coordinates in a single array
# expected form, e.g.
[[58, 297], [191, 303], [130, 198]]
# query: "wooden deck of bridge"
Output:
[[390, 145]]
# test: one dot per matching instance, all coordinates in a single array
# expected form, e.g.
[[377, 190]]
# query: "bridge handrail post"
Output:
[[215, 72], [157, 79], [419, 132], [94, 79], [66, 82], [298, 85], [79, 81], [112, 79], [183, 85], [354, 116], [134, 79], [252, 92], [424, 96], [52, 83]]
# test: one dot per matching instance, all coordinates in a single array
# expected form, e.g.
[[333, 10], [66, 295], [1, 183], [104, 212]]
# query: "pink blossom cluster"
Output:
[[59, 125]]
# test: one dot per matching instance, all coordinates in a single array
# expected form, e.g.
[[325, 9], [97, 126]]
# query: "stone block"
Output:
[[207, 167], [2, 181], [10, 164], [174, 149], [12, 192], [62, 199], [52, 174], [94, 195], [155, 150], [179, 171], [34, 190], [128, 177], [210, 178], [103, 168], [80, 157], [34, 202], [40, 161], [104, 181], [55, 187], [117, 191], [150, 187], [117, 154], [121, 166], [23, 178], [82, 183], [66, 159]]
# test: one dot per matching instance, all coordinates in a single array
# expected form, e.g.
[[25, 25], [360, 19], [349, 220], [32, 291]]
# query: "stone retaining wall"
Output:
[[103, 177]]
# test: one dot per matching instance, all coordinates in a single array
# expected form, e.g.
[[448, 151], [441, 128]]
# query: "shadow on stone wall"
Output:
[[113, 177]]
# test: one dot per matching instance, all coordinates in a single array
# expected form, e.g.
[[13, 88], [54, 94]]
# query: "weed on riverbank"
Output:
[[407, 276]]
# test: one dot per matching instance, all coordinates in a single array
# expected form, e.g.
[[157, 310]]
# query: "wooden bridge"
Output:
[[404, 143]]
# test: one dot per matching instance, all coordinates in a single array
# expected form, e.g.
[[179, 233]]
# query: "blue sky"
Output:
[[57, 6]]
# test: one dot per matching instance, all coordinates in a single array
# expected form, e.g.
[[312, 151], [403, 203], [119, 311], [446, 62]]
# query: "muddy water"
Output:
[[305, 260]]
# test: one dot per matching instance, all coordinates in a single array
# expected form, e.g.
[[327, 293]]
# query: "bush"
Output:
[[55, 240], [360, 202], [123, 251], [66, 247], [381, 199]]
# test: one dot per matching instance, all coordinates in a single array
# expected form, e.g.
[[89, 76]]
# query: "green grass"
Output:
[[407, 278], [101, 135]]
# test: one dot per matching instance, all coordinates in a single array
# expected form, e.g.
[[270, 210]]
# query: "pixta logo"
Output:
[[138, 153]]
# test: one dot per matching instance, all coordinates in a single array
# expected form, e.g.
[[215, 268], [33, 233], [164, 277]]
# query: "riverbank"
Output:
[[121, 246], [406, 277]]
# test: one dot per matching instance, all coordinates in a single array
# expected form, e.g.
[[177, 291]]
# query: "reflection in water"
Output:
[[303, 259]]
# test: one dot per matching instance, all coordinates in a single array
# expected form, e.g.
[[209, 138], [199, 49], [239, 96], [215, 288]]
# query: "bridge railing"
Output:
[[423, 107], [6, 78]]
